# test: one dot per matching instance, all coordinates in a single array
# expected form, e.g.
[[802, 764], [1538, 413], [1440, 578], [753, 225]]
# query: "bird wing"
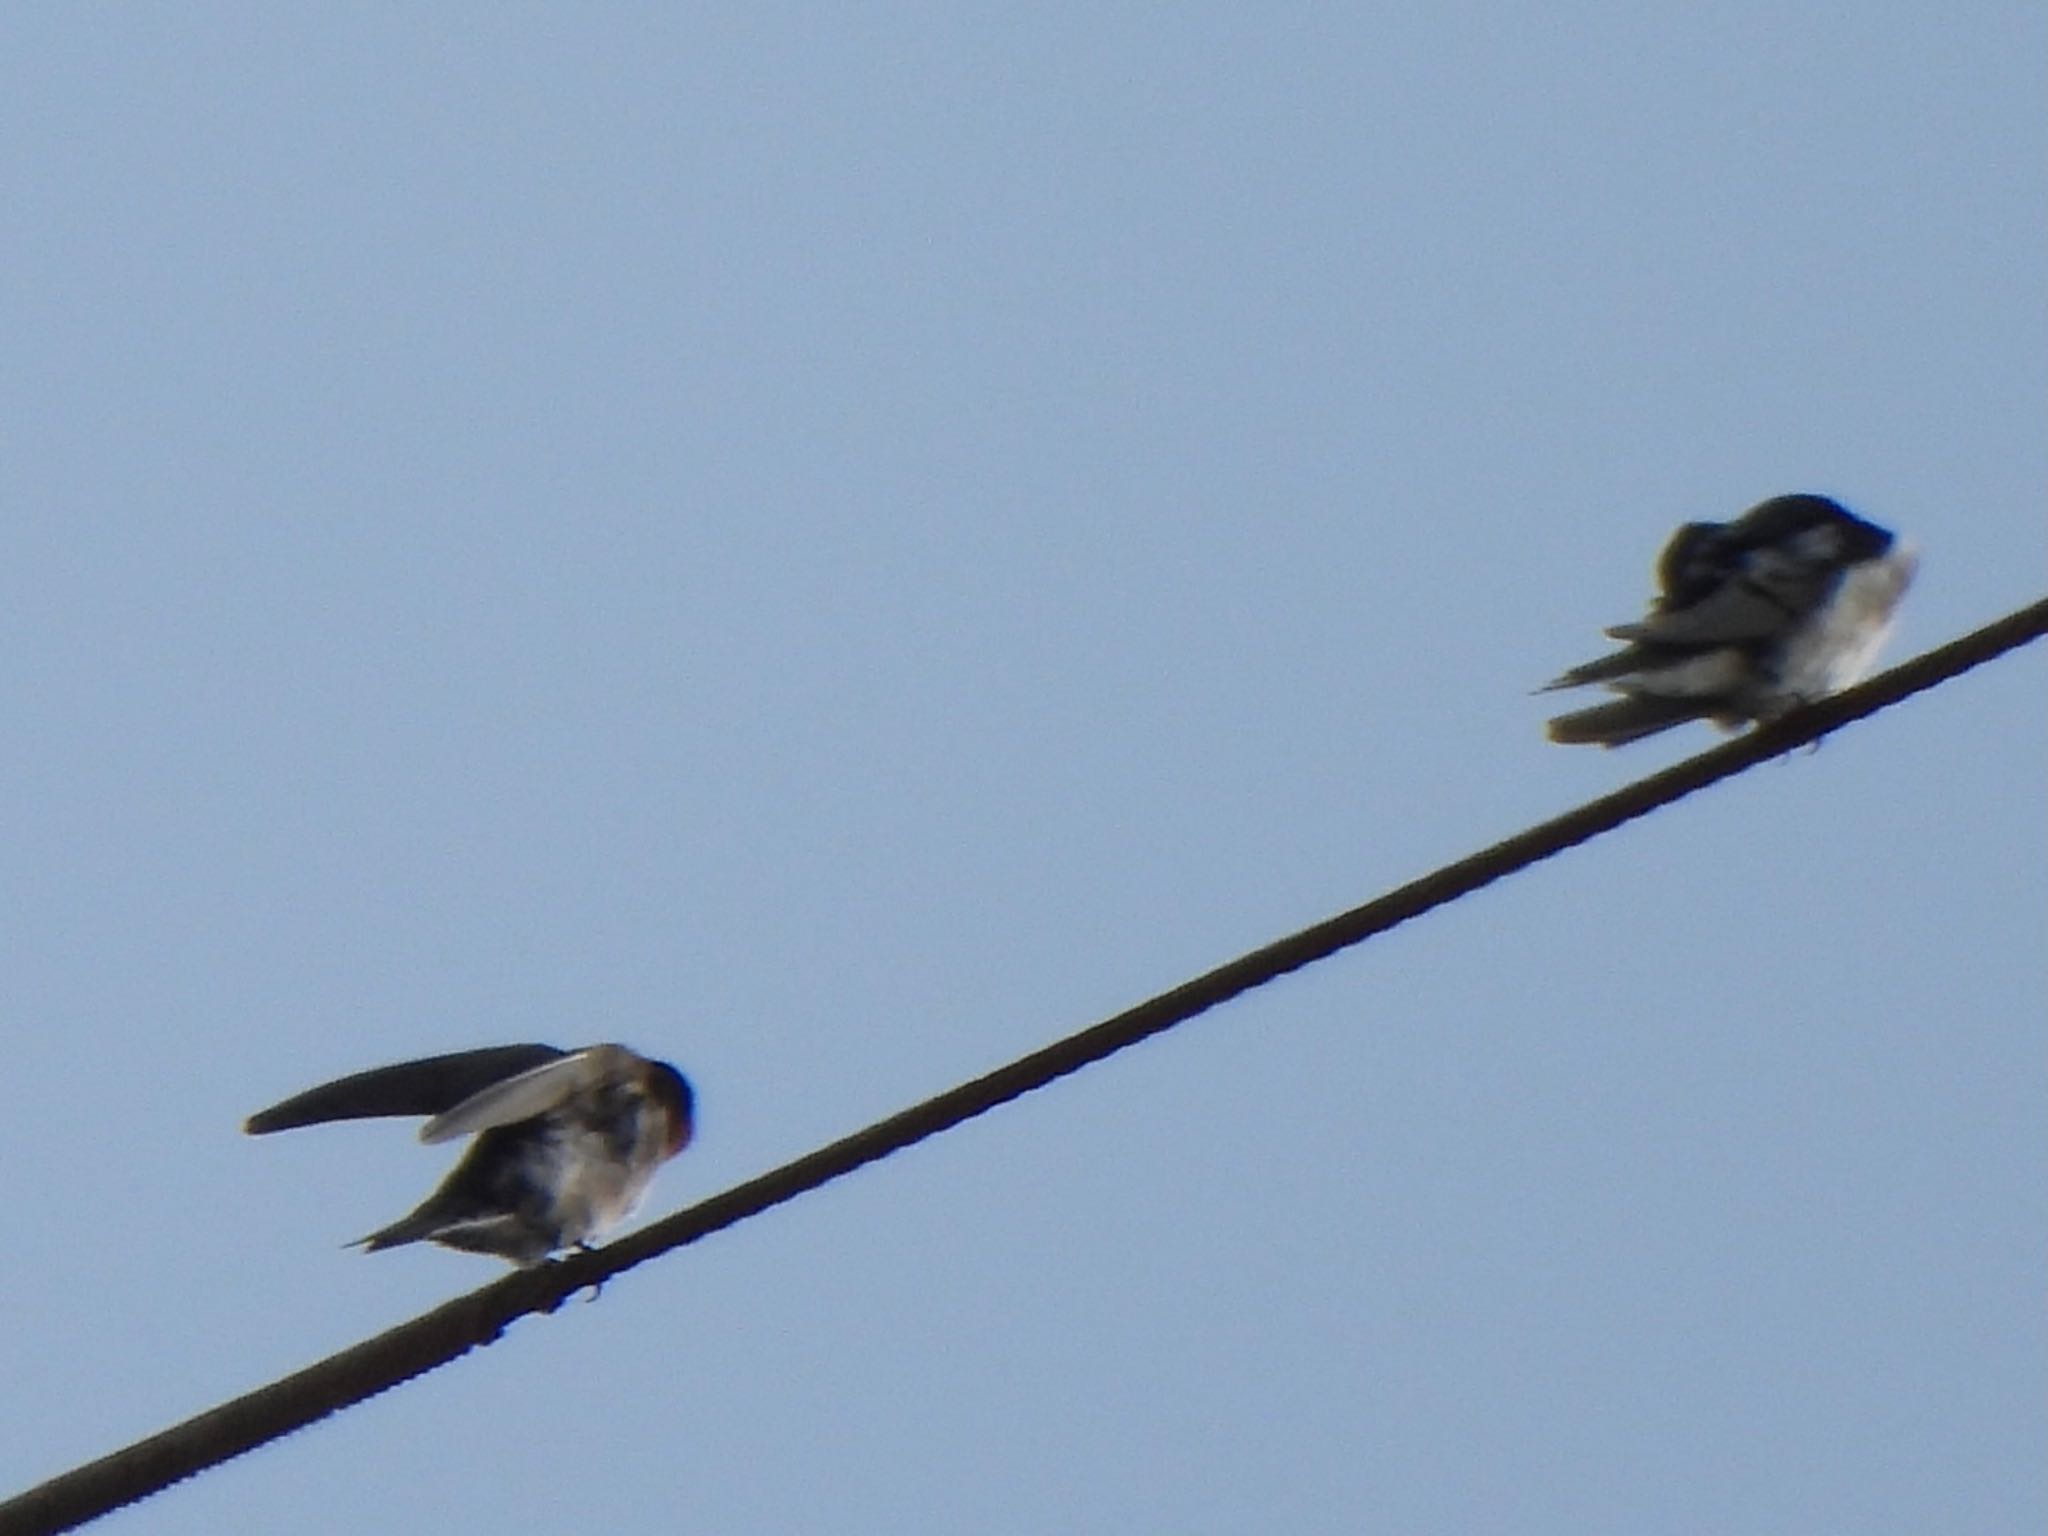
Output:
[[530, 1093], [1774, 590], [1725, 583], [430, 1086], [1618, 664], [1695, 560], [1738, 611]]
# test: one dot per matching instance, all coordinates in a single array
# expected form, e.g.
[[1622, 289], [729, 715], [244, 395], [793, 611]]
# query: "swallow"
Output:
[[566, 1141], [1786, 604]]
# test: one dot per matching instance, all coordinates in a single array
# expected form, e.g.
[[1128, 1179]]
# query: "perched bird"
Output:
[[566, 1141], [1790, 602]]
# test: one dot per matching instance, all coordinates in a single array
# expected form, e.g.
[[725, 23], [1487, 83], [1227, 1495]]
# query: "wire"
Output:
[[453, 1329]]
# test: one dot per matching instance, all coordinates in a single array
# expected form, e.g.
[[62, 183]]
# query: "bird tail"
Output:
[[1616, 664], [1620, 721], [430, 1221], [417, 1227]]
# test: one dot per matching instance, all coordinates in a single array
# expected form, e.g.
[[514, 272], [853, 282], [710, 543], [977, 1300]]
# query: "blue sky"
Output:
[[836, 545]]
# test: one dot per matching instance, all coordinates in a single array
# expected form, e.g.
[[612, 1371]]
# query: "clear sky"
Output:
[[838, 544]]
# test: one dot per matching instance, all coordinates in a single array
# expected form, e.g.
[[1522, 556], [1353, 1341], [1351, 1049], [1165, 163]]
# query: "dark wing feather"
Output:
[[1758, 607], [430, 1086], [1618, 664], [1729, 583], [1696, 560]]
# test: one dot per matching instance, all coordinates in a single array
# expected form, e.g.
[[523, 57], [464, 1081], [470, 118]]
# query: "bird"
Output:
[[1784, 605], [566, 1141]]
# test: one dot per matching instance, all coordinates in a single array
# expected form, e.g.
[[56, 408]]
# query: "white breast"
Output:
[[1841, 642], [595, 1191]]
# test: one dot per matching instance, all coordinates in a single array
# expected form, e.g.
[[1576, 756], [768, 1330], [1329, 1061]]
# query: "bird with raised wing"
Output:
[[566, 1142], [1786, 604]]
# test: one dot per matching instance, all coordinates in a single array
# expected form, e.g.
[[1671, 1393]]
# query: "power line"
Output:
[[453, 1329]]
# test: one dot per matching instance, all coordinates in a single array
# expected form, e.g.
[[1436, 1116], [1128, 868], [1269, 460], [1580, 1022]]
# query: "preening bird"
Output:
[[566, 1141], [1786, 604]]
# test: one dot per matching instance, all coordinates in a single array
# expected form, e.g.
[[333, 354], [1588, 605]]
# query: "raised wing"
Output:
[[1696, 560], [429, 1086], [531, 1093]]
